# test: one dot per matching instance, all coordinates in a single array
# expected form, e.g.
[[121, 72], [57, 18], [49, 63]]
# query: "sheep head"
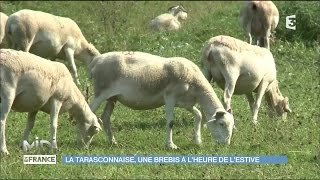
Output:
[[283, 108], [221, 126], [178, 11], [91, 50], [87, 130]]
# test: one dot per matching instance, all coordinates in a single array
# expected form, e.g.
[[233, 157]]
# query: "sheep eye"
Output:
[[221, 124]]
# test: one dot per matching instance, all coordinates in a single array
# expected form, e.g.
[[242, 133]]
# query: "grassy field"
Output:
[[112, 26]]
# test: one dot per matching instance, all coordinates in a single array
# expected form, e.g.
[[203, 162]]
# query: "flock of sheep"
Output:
[[30, 83]]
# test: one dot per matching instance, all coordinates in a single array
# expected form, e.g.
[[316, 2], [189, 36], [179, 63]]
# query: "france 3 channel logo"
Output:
[[38, 159], [291, 22]]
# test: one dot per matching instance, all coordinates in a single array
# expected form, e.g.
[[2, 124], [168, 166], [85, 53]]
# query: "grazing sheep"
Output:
[[241, 68], [144, 81], [169, 21], [49, 36], [3, 21], [259, 18], [29, 83]]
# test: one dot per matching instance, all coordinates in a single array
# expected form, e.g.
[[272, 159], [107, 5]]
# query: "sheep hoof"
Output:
[[234, 128], [77, 81], [198, 143], [113, 143], [172, 146], [4, 151], [54, 146], [198, 140], [23, 147]]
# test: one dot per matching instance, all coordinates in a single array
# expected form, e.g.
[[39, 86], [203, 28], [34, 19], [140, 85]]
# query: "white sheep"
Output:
[[49, 36], [259, 19], [3, 21], [144, 81], [29, 83], [241, 68], [169, 21]]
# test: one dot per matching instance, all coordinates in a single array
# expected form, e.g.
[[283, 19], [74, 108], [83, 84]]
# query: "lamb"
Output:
[[241, 68], [259, 19], [29, 83], [49, 36], [169, 21], [3, 21], [144, 81]]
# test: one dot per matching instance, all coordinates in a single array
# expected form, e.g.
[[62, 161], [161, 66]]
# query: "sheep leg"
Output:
[[228, 92], [28, 45], [7, 98], [106, 121], [207, 74], [248, 29], [267, 38], [260, 42], [29, 126], [70, 56], [197, 124], [264, 40], [250, 99], [169, 108], [54, 113], [98, 100], [204, 119], [261, 90], [230, 83]]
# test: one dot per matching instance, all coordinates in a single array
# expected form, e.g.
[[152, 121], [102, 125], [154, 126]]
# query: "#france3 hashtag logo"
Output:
[[291, 22]]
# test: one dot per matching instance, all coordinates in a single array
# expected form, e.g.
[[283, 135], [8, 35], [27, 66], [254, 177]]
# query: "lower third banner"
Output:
[[174, 159]]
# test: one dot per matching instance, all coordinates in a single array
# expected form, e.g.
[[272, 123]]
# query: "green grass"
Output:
[[110, 27]]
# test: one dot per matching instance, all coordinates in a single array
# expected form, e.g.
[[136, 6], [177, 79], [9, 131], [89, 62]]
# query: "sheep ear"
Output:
[[182, 9], [171, 8], [219, 114], [96, 129], [91, 50]]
